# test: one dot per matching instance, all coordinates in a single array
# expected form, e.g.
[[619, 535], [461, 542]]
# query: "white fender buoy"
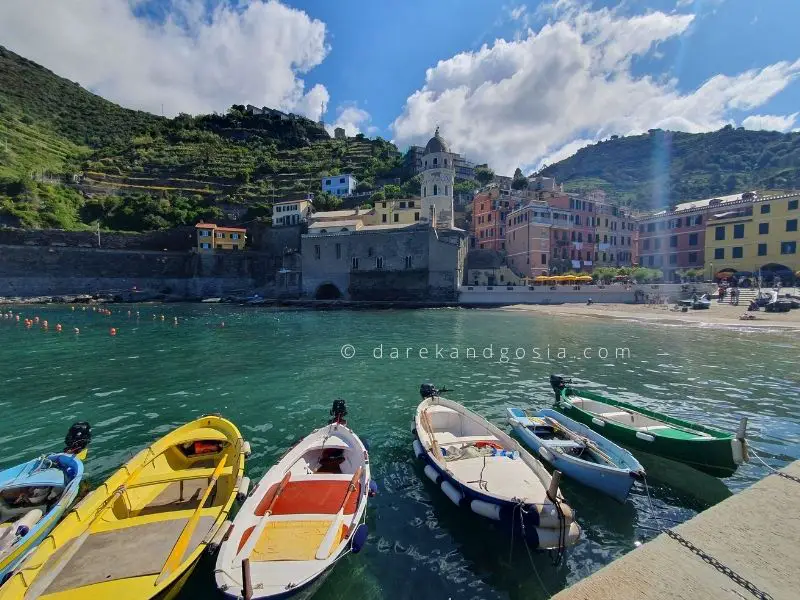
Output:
[[244, 487], [418, 451], [645, 436], [216, 541], [545, 454], [452, 492], [485, 509], [432, 474], [246, 450]]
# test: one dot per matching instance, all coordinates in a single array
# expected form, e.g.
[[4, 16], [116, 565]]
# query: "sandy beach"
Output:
[[719, 315]]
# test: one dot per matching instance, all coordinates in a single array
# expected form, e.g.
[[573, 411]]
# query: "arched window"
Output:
[[426, 162], [435, 161], [424, 191], [435, 191], [446, 190], [445, 162], [344, 229]]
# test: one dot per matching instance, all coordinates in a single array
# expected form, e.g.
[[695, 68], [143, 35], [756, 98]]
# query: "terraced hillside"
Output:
[[661, 168], [69, 158]]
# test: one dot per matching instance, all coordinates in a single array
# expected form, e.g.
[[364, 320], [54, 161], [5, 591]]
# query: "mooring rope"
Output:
[[771, 468]]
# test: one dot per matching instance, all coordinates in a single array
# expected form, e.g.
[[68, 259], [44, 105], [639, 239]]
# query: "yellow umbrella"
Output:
[[570, 277], [541, 278], [584, 278]]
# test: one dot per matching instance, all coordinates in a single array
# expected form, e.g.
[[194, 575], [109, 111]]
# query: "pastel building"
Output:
[[211, 237], [528, 238], [290, 212], [756, 235], [673, 240], [339, 185], [489, 211]]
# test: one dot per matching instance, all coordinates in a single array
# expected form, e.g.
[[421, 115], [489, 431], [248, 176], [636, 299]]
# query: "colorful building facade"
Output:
[[211, 237], [755, 235]]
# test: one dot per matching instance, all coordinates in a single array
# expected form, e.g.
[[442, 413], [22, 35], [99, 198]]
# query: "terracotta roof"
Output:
[[220, 227]]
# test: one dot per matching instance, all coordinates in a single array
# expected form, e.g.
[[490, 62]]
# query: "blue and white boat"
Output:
[[35, 495], [481, 468], [577, 451]]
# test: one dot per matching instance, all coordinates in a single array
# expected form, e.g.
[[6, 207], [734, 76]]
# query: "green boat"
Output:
[[710, 450]]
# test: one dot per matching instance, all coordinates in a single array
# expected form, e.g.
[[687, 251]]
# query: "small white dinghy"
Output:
[[306, 513], [482, 468]]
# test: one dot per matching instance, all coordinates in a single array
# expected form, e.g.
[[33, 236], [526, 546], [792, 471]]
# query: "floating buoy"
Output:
[[84, 309], [137, 314], [129, 313], [73, 308], [58, 327], [36, 320], [176, 320], [162, 317], [77, 331], [113, 331], [222, 324]]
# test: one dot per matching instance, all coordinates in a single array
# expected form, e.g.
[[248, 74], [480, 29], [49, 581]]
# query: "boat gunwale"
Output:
[[614, 469], [717, 435]]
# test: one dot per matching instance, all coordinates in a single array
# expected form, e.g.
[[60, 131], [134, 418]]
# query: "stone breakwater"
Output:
[[35, 271]]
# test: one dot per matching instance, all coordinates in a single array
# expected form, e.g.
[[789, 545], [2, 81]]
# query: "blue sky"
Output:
[[511, 83]]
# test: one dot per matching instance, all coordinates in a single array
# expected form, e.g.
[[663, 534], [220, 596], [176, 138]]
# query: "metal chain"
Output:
[[750, 587], [787, 476]]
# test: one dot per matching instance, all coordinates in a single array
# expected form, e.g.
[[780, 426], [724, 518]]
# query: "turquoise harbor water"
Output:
[[275, 374]]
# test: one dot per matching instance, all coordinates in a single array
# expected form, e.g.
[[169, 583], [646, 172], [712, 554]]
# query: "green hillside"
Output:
[[69, 158], [664, 167]]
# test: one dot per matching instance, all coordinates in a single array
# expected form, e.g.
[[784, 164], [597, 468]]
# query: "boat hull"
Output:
[[43, 528], [719, 454], [298, 489], [540, 524], [615, 481], [114, 543]]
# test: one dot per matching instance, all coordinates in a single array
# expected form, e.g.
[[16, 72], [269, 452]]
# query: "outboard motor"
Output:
[[338, 412], [78, 437], [558, 383], [428, 390]]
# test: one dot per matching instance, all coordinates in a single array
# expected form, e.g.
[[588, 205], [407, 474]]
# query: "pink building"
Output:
[[489, 210], [673, 240], [528, 238]]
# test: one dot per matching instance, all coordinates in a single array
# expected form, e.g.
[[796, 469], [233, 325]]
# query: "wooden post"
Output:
[[247, 585], [553, 489]]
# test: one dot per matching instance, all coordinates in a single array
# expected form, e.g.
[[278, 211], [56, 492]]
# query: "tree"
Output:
[[326, 201], [519, 182], [731, 183], [484, 175], [364, 185], [465, 187], [412, 187], [392, 191], [378, 196]]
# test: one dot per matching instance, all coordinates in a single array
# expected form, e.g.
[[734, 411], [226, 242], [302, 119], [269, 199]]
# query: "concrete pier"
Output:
[[756, 533]]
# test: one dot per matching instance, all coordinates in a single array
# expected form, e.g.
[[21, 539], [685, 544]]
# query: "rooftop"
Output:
[[215, 226], [436, 144]]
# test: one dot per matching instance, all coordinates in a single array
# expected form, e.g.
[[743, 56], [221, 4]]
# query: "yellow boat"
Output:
[[140, 534]]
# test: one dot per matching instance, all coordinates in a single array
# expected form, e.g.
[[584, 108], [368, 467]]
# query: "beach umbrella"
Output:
[[541, 278], [584, 278]]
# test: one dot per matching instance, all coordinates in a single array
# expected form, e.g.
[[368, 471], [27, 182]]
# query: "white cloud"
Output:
[[533, 100], [197, 60], [518, 12], [352, 119], [770, 122]]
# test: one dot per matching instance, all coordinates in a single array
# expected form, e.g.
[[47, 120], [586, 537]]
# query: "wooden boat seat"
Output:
[[566, 444], [176, 476], [311, 497], [123, 553], [446, 438], [290, 540]]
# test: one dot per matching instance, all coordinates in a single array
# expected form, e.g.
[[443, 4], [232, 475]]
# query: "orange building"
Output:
[[211, 237]]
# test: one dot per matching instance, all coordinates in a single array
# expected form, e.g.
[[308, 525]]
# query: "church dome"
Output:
[[436, 144]]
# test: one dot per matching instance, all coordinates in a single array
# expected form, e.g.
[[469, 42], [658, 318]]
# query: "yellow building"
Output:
[[392, 212], [212, 237], [754, 234], [290, 212]]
